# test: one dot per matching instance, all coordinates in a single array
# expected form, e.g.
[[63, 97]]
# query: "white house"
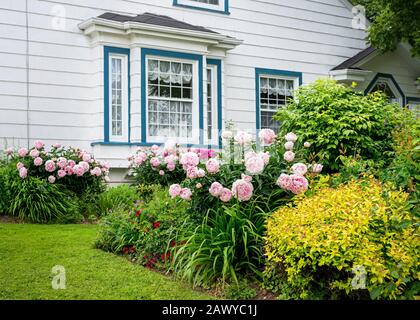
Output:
[[110, 75]]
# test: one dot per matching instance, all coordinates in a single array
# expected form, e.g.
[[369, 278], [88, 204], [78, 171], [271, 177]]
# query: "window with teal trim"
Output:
[[116, 94], [221, 6]]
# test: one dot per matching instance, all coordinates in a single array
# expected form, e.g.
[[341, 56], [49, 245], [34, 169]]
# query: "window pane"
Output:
[[116, 96]]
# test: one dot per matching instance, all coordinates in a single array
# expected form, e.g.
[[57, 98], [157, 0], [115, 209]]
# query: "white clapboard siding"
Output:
[[66, 75]]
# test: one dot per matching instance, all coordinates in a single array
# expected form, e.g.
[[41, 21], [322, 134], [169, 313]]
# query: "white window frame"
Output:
[[190, 3], [393, 88], [125, 102], [214, 106], [296, 85], [195, 139]]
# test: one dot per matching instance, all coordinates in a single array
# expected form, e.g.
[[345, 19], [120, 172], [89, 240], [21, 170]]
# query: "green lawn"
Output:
[[28, 252]]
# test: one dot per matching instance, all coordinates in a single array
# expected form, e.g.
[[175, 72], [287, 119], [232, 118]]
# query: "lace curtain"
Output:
[[277, 87], [174, 73]]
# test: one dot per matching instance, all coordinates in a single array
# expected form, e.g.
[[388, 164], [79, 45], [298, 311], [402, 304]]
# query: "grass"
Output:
[[28, 252]]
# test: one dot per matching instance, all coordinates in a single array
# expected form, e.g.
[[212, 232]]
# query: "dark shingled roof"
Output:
[[349, 63], [154, 19]]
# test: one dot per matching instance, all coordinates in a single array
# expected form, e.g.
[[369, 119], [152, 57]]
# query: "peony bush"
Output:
[[73, 168], [270, 168]]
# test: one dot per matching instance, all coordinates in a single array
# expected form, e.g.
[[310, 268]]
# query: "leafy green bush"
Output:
[[147, 231], [6, 173], [116, 198], [36, 200], [338, 121], [240, 291], [315, 247], [226, 244]]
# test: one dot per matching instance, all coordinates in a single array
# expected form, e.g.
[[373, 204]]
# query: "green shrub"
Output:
[[338, 121], [228, 243], [314, 247], [240, 291], [6, 173], [117, 198], [146, 231], [35, 200]]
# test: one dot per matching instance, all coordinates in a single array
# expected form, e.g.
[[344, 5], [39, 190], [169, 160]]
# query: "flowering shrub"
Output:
[[147, 231], [315, 247], [269, 172], [73, 168], [165, 165]]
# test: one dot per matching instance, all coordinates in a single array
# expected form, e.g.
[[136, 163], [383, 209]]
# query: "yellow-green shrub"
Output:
[[313, 245]]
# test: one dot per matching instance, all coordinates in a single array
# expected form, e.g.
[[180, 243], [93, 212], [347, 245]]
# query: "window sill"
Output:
[[148, 144]]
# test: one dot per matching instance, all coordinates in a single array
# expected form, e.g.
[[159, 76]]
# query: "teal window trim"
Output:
[[169, 54], [123, 51], [390, 77], [197, 7], [270, 72], [218, 64]]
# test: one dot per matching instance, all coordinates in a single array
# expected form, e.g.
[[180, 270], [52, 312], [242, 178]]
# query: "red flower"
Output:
[[156, 224], [132, 249], [173, 243], [138, 212], [125, 250]]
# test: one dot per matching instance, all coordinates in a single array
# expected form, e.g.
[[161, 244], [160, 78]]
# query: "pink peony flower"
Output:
[[96, 172], [291, 137], [299, 184], [289, 145], [192, 172], [190, 159], [246, 177], [138, 161], [307, 144], [86, 157], [34, 153], [242, 190], [216, 189], [61, 173], [170, 166], [265, 156], [185, 194], [284, 181], [84, 165], [213, 166], [267, 136], [300, 168], [155, 148], [289, 156], [49, 166], [198, 185], [226, 135], [71, 163], [57, 145], [79, 170], [22, 152], [243, 138], [201, 173], [23, 172], [69, 171], [62, 162], [170, 146], [175, 190], [317, 168], [255, 165], [225, 195], [9, 151], [161, 172], [38, 161], [130, 157], [51, 179], [39, 144], [155, 162], [170, 159], [19, 165]]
